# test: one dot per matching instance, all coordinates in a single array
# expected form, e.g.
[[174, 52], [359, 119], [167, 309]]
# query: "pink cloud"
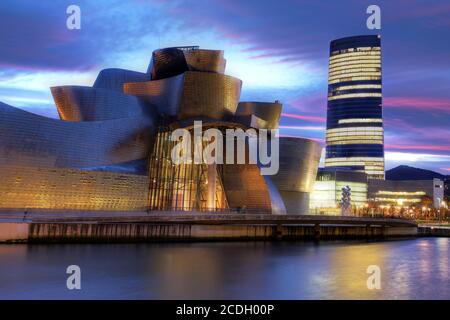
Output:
[[425, 11], [417, 147], [307, 103], [314, 139], [303, 117], [303, 127], [425, 103], [403, 133]]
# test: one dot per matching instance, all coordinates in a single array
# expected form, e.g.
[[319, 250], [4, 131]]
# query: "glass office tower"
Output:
[[354, 135]]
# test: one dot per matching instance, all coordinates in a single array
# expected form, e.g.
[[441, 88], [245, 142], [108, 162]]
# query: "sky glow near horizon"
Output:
[[278, 48]]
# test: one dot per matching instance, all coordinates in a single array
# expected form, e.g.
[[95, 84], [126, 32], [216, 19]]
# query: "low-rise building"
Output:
[[405, 193], [327, 192]]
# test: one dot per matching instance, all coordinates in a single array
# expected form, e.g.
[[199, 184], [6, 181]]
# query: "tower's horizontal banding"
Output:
[[355, 134]]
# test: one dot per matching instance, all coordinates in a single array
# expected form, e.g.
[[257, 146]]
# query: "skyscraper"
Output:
[[355, 135]]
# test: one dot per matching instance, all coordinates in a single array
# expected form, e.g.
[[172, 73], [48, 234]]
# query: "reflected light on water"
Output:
[[410, 269], [443, 260]]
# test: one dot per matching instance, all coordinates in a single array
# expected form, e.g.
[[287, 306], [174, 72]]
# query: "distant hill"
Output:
[[410, 173]]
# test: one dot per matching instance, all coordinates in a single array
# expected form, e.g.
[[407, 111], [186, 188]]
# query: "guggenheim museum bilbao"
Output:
[[111, 148]]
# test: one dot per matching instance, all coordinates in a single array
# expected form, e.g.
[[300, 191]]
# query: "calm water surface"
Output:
[[411, 269]]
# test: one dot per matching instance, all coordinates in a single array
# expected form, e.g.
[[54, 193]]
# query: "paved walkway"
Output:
[[166, 217]]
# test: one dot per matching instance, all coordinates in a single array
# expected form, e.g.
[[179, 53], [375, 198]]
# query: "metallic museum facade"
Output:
[[110, 149], [354, 137]]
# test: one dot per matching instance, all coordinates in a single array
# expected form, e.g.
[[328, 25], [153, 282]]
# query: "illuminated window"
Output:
[[360, 120]]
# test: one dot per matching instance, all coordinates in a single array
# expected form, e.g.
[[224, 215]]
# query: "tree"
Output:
[[426, 201]]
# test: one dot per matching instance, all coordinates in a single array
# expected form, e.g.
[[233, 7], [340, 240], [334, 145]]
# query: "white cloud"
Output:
[[415, 157], [42, 81]]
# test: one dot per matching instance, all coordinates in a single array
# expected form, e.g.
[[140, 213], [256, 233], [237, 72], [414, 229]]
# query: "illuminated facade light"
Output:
[[369, 120], [401, 193], [355, 136], [354, 95], [405, 193]]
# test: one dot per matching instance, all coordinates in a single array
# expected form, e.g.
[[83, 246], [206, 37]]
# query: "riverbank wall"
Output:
[[433, 231], [40, 227]]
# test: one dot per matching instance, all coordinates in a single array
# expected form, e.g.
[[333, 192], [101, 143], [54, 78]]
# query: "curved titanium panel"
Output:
[[296, 202], [164, 94], [69, 189], [246, 188], [205, 60], [209, 95], [268, 111], [193, 94], [166, 63], [138, 167], [76, 103], [29, 139], [251, 121], [299, 160], [114, 79], [276, 200]]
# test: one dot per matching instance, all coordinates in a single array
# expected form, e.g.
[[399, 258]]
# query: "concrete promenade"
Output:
[[75, 226]]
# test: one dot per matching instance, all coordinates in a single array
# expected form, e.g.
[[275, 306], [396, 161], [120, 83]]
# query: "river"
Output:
[[410, 269]]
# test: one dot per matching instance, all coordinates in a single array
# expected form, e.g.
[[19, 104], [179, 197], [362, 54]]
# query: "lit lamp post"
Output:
[[400, 206], [366, 209], [424, 210], [439, 210], [444, 210]]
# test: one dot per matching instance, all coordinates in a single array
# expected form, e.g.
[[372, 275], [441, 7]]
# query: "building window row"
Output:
[[355, 61], [343, 56], [357, 49], [355, 74], [353, 69], [360, 120], [354, 95], [355, 130], [359, 78]]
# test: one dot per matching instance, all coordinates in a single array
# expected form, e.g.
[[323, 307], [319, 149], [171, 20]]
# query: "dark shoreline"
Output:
[[40, 226]]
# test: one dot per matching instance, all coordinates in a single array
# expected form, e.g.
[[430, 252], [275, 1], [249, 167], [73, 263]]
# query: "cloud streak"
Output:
[[304, 117], [422, 103], [417, 147], [309, 128]]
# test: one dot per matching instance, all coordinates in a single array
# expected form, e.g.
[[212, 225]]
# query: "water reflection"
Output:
[[416, 269], [443, 247]]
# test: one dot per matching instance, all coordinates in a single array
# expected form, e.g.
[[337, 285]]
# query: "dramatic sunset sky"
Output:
[[279, 48]]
